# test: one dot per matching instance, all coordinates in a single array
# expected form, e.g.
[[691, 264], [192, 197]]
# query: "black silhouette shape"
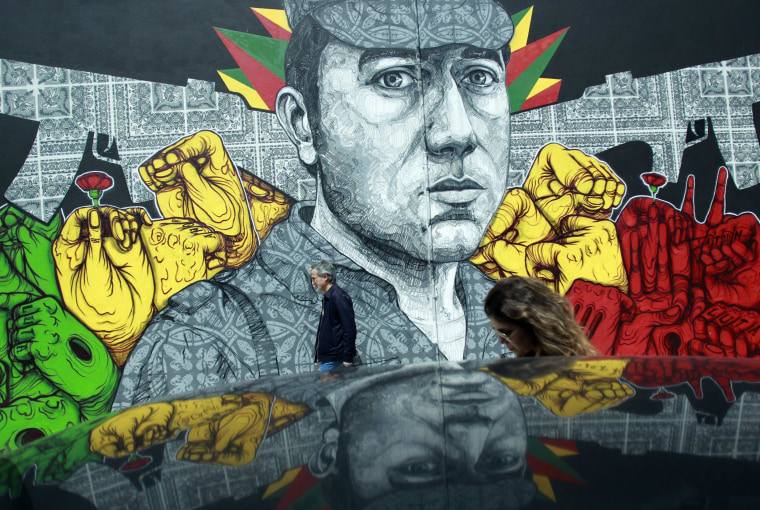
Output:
[[105, 161], [628, 160]]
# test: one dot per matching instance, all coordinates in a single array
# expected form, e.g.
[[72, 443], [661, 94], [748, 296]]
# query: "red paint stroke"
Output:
[[563, 444], [521, 59], [543, 468], [547, 96], [266, 83], [654, 372], [303, 481], [273, 28]]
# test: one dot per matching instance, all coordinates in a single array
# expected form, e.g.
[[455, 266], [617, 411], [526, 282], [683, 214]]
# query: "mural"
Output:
[[541, 433], [156, 239]]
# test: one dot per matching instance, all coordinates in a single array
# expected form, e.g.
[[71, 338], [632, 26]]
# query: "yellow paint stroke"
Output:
[[560, 452], [520, 39], [286, 479], [545, 486], [541, 85], [276, 16], [251, 96], [586, 386]]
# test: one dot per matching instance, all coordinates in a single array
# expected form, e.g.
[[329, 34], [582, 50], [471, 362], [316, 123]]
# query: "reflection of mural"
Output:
[[223, 430], [513, 434], [173, 253]]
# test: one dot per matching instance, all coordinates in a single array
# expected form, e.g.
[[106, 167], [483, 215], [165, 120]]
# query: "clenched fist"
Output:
[[196, 179], [565, 182], [516, 225]]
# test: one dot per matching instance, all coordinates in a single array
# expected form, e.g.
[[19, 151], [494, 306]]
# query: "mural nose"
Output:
[[449, 131]]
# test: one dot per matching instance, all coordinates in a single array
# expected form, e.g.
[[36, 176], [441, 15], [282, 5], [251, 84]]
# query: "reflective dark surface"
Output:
[[533, 433]]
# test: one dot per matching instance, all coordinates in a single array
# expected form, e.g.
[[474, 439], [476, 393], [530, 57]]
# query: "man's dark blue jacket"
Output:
[[336, 335]]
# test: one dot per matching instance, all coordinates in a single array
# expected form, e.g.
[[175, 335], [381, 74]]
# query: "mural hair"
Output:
[[546, 315]]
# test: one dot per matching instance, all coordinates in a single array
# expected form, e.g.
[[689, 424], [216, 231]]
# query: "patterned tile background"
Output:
[[143, 117]]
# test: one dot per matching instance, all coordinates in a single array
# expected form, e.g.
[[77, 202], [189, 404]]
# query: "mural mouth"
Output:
[[458, 214], [467, 390], [448, 184], [449, 190], [467, 397]]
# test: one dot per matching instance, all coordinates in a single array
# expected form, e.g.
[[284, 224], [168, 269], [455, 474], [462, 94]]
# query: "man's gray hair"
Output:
[[325, 267]]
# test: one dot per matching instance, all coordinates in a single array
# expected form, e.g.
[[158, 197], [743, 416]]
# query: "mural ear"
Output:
[[324, 459], [294, 119]]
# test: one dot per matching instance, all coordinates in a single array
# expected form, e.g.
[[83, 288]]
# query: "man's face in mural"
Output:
[[410, 437], [415, 147]]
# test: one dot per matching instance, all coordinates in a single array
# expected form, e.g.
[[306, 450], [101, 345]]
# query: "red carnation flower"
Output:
[[654, 180], [135, 461], [94, 184], [662, 395]]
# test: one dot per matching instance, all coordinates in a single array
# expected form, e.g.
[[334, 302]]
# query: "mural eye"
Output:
[[395, 79], [500, 462], [416, 471], [420, 467], [480, 78]]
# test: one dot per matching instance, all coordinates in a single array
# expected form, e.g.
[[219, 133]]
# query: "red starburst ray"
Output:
[[266, 83], [522, 59], [274, 29], [546, 96]]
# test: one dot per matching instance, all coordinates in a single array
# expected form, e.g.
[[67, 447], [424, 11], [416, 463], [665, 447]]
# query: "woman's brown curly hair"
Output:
[[546, 315]]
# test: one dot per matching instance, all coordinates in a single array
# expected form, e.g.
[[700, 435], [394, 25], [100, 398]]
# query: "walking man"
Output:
[[336, 334]]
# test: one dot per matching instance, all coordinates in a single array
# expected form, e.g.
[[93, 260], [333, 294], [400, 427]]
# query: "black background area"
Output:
[[169, 42]]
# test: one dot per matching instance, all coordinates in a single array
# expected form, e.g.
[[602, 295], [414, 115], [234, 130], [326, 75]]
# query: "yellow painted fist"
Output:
[[196, 179], [565, 182], [584, 387]]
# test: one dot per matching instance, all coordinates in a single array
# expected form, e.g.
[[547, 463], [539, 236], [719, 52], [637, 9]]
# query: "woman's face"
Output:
[[517, 338]]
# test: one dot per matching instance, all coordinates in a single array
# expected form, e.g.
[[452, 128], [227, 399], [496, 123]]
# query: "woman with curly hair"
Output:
[[532, 320]]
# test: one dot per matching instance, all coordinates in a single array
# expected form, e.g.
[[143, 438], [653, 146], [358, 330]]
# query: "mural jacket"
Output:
[[261, 319], [336, 335]]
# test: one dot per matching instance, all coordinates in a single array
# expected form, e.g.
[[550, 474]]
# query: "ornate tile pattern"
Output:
[[144, 117]]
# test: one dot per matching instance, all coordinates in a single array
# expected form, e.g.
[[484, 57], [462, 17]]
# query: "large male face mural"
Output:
[[176, 255], [422, 168], [408, 138]]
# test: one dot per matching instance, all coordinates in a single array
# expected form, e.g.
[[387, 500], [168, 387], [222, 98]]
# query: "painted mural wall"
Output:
[[157, 232]]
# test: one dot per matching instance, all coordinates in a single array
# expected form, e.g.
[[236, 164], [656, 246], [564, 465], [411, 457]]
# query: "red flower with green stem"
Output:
[[654, 180], [94, 184]]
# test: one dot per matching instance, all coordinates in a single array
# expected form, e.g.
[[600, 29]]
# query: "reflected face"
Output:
[[415, 147], [397, 438], [515, 337]]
